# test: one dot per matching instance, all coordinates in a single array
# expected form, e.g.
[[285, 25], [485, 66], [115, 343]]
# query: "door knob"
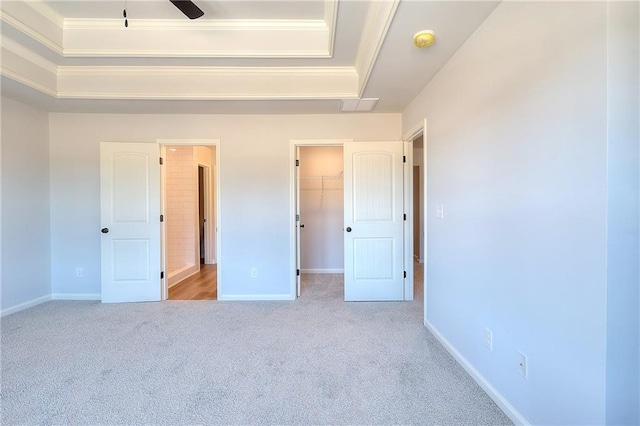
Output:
[[302, 225], [348, 229], [104, 230]]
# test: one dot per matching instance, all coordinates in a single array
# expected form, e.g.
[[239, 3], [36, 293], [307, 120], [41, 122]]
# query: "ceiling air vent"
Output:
[[358, 105]]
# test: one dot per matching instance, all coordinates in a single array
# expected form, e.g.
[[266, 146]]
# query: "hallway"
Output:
[[200, 286]]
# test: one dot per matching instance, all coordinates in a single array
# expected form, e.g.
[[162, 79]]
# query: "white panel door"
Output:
[[130, 217], [373, 221]]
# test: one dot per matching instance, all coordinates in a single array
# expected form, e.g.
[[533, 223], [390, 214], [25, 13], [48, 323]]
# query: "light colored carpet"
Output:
[[318, 360]]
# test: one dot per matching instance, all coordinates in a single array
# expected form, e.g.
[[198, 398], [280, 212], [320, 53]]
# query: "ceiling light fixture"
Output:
[[424, 39]]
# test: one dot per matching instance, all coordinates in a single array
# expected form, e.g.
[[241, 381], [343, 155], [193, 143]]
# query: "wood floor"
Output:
[[201, 286]]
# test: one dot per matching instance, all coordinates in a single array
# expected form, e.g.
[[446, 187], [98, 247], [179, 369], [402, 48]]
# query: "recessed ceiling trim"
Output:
[[27, 29], [202, 24], [182, 53], [377, 25], [29, 55], [21, 78], [213, 83], [45, 10], [284, 41], [331, 19], [274, 96], [197, 70]]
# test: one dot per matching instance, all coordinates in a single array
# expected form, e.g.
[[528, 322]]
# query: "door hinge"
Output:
[[404, 158], [297, 218], [405, 216], [161, 218], [161, 161], [405, 274], [297, 272], [162, 275], [297, 163]]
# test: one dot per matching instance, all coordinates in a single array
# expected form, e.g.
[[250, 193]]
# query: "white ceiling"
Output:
[[258, 56]]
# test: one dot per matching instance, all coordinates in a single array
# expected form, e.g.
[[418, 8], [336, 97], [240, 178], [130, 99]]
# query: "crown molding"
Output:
[[7, 18], [271, 96], [207, 83], [22, 79], [45, 10], [28, 54], [331, 21], [184, 53], [207, 38], [188, 71], [203, 24], [376, 26]]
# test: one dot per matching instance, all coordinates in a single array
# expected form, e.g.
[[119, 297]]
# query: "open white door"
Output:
[[373, 221], [130, 215]]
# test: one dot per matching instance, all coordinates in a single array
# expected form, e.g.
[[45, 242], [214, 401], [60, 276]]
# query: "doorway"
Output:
[[418, 207], [190, 249], [321, 200], [374, 218]]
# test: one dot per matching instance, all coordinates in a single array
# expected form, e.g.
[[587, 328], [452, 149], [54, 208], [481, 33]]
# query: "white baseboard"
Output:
[[322, 271], [255, 297], [496, 396], [182, 274], [25, 305], [76, 296]]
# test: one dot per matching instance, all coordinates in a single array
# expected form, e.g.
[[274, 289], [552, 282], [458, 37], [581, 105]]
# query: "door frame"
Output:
[[294, 243], [208, 183], [216, 199], [294, 194], [414, 132]]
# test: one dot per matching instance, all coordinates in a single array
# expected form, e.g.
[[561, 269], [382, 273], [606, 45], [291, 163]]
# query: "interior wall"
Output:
[[26, 260], [181, 209], [518, 158], [254, 181], [322, 209], [623, 188]]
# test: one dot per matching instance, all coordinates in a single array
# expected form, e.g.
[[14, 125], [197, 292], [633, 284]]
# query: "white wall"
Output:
[[25, 250], [181, 211], [322, 208], [517, 154], [254, 188], [623, 255]]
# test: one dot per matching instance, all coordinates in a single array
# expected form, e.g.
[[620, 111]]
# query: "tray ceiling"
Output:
[[242, 57]]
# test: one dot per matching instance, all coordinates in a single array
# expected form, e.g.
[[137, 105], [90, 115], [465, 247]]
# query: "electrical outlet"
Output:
[[488, 339], [79, 272], [254, 272], [522, 365]]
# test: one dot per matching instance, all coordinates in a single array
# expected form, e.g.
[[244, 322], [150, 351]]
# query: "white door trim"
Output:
[[408, 223], [417, 130], [216, 173], [294, 144], [293, 240]]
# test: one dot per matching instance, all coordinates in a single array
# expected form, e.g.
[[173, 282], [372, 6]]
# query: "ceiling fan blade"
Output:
[[188, 8]]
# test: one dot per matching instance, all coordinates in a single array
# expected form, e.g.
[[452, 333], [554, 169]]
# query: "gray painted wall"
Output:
[[517, 154], [623, 188], [25, 205], [255, 182]]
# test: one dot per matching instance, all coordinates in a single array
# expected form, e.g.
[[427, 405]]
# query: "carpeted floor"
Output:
[[318, 360]]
